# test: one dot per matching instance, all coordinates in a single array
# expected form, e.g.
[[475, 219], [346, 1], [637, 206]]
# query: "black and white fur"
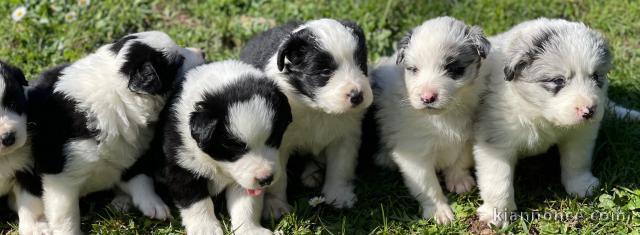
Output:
[[17, 179], [425, 101], [92, 119], [223, 131], [547, 86], [321, 66]]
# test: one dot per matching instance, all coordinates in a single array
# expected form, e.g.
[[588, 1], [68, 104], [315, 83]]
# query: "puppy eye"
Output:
[[557, 81], [412, 69], [326, 72], [598, 78]]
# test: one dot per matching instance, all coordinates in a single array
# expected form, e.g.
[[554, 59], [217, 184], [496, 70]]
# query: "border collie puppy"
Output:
[[321, 66], [92, 119], [426, 102], [16, 163], [548, 86], [223, 131]]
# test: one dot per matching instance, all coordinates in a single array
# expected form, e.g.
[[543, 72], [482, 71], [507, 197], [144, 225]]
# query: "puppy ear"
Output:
[[291, 49], [12, 72], [202, 125], [142, 66], [145, 79], [402, 46], [479, 41]]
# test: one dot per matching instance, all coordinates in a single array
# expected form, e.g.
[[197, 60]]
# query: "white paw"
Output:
[[441, 213], [340, 197], [37, 228], [212, 228], [312, 176], [582, 185], [121, 202], [254, 231], [275, 208], [153, 207], [494, 216], [460, 184]]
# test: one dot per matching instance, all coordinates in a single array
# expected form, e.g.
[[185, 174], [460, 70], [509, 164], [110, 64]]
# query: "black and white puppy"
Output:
[[425, 101], [223, 131], [547, 86], [321, 66], [92, 119], [16, 163]]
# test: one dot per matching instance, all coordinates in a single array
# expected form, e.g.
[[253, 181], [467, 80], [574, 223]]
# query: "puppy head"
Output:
[[440, 58], [152, 61], [325, 62], [13, 120], [560, 68], [241, 128]]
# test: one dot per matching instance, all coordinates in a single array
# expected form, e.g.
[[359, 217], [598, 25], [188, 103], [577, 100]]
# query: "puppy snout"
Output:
[[8, 139], [428, 97], [355, 97], [197, 51], [265, 181], [587, 112]]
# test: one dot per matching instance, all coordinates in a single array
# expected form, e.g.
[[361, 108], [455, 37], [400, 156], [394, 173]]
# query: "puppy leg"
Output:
[[312, 174], [458, 176], [61, 208], [275, 198], [30, 213], [575, 162], [495, 169], [144, 197], [341, 157], [245, 212], [420, 176], [199, 218]]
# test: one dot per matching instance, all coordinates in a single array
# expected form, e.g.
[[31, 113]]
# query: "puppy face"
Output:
[[561, 68], [325, 62], [13, 120], [241, 129], [440, 57], [152, 61]]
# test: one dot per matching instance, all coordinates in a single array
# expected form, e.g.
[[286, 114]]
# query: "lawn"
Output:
[[56, 31]]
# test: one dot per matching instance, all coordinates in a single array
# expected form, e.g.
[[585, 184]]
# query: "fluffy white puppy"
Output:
[[426, 101], [547, 86]]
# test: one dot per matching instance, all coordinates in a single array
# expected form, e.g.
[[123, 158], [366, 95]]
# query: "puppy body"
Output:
[[554, 93], [426, 101], [17, 179], [222, 133], [321, 67], [94, 118]]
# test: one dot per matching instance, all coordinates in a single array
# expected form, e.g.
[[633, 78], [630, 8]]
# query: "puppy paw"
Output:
[[340, 197], [254, 231], [491, 215], [275, 208], [312, 176], [212, 228], [441, 213], [121, 203], [460, 184], [582, 185], [153, 207]]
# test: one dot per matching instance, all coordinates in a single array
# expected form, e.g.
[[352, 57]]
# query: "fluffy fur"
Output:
[[321, 66], [425, 101], [223, 131], [92, 119], [548, 86], [16, 163]]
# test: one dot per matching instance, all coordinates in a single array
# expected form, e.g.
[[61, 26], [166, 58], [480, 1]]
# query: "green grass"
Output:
[[384, 207]]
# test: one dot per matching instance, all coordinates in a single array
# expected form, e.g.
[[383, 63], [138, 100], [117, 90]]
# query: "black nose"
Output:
[[8, 139], [265, 181], [355, 97], [590, 113]]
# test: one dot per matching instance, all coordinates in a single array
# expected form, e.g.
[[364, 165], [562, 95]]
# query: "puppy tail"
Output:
[[623, 113]]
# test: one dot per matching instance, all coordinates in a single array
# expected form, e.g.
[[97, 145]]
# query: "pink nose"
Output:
[[586, 112], [428, 97]]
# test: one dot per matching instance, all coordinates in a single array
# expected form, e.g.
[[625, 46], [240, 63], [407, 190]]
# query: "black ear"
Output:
[[361, 51], [202, 125], [12, 72], [512, 72], [402, 46], [292, 49], [144, 79], [479, 41]]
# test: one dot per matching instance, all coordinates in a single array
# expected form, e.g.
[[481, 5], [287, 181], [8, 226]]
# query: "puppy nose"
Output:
[[355, 97], [429, 97], [8, 139], [265, 181], [588, 112]]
